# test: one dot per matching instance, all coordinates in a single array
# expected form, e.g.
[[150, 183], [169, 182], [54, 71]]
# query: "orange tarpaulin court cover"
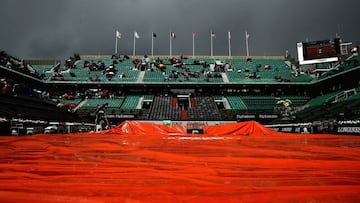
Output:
[[143, 162]]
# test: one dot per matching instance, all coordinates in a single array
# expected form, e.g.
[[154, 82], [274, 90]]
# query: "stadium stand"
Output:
[[204, 108], [185, 89], [327, 107], [162, 109]]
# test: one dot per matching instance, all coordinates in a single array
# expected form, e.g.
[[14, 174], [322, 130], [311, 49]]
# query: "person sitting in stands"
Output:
[[186, 76], [61, 77], [136, 63], [96, 79], [162, 67], [5, 89], [207, 76], [166, 77]]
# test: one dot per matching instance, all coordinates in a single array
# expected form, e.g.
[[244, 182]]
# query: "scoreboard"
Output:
[[318, 51]]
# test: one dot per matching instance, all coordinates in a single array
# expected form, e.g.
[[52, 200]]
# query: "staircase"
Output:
[[184, 115]]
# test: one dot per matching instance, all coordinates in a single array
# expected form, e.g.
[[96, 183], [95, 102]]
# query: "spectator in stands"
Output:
[[166, 77], [146, 59], [122, 75], [69, 64], [96, 78], [100, 65], [186, 76], [207, 76], [61, 77], [176, 74], [354, 51], [320, 51], [229, 67], [145, 63], [86, 64], [162, 67], [5, 89], [158, 61], [136, 63], [115, 56]]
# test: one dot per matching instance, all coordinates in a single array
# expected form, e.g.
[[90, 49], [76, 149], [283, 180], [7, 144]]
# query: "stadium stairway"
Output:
[[140, 102], [141, 76], [226, 103], [80, 105], [225, 78], [184, 115], [174, 102]]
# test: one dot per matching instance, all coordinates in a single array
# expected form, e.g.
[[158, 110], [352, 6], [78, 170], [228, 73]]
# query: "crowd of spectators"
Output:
[[18, 65], [93, 66], [180, 68]]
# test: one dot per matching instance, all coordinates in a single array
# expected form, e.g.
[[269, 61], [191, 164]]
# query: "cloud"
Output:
[[52, 28]]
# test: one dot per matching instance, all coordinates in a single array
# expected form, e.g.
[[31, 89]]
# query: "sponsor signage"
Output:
[[257, 117], [292, 129], [125, 116], [349, 127]]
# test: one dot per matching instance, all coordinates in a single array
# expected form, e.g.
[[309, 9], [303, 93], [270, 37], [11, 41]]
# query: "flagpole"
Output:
[[152, 44], [170, 44], [211, 43], [193, 43], [134, 44], [229, 38], [116, 44], [247, 43]]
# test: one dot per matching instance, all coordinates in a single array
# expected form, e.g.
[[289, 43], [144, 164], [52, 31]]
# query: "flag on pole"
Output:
[[247, 42], [229, 35], [152, 43], [118, 34], [136, 35], [172, 36], [212, 36]]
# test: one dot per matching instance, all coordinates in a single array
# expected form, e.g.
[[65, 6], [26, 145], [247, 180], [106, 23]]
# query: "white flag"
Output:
[[118, 34], [229, 35], [247, 35], [136, 35]]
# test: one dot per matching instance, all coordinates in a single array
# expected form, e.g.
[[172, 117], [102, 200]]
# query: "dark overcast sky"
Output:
[[39, 29]]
